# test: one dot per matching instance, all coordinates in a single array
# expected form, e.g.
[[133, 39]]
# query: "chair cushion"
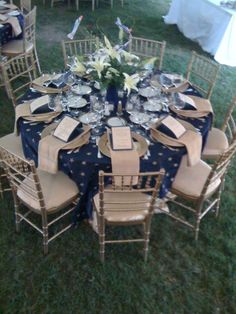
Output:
[[127, 212], [58, 191], [15, 47], [190, 180], [216, 144], [12, 143]]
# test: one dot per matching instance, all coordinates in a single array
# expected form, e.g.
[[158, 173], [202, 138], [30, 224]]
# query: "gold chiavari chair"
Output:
[[79, 47], [28, 43], [198, 189], [202, 73], [143, 48], [53, 197], [218, 140], [25, 6], [18, 74], [12, 143], [126, 204]]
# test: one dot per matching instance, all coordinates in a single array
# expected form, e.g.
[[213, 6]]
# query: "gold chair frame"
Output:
[[25, 6], [202, 73], [124, 204], [21, 66], [78, 47], [205, 202], [143, 47], [23, 175]]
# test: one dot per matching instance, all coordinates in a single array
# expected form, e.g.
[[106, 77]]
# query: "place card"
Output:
[[40, 105], [121, 138], [189, 102], [174, 126], [65, 128]]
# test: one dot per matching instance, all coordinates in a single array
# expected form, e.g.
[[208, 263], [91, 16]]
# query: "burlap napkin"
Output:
[[38, 84], [49, 147], [190, 139], [125, 162], [203, 108], [23, 111]]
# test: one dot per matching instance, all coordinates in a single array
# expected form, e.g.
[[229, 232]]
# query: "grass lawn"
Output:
[[181, 276]]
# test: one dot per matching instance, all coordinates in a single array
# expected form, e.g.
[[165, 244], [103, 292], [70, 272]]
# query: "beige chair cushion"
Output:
[[16, 47], [12, 143], [127, 212], [58, 191], [216, 144], [190, 180]]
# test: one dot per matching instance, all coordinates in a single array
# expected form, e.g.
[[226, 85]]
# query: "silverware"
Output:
[[99, 155]]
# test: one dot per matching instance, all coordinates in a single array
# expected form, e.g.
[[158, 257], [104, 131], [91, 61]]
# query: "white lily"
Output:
[[78, 67], [130, 82], [129, 56], [112, 52], [99, 64]]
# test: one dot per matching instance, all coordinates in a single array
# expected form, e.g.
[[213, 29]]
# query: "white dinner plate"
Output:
[[77, 103], [88, 118], [154, 105], [139, 118], [116, 121], [81, 90], [148, 92]]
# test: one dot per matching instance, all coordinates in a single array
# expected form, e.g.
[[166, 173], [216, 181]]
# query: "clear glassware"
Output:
[[52, 102]]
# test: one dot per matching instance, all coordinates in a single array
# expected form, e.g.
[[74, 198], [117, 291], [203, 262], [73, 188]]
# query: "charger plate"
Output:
[[140, 144]]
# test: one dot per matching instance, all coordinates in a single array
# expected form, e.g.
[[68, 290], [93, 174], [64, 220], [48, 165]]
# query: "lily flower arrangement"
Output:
[[112, 66]]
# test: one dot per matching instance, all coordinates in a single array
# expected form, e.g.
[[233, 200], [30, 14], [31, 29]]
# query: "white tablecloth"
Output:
[[209, 24]]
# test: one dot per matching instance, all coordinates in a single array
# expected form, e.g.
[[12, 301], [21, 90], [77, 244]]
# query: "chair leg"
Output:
[[147, 226], [101, 231], [93, 5], [77, 5], [52, 3], [198, 212], [122, 3], [45, 233], [219, 197], [17, 217], [111, 4]]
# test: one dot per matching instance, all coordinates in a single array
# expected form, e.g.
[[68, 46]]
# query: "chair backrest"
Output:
[[202, 73], [219, 169], [143, 47], [18, 73], [25, 6], [146, 183], [229, 125], [22, 174], [78, 47], [29, 28]]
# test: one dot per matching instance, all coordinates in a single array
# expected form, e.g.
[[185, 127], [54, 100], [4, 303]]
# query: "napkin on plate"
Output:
[[24, 111], [171, 132], [16, 28], [124, 161]]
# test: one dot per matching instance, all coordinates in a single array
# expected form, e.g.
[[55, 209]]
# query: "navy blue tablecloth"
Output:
[[6, 31], [83, 167]]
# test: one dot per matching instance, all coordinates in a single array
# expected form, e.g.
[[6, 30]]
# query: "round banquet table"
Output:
[[83, 166]]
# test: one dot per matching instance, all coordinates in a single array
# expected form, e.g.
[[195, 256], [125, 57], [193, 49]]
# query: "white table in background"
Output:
[[209, 24]]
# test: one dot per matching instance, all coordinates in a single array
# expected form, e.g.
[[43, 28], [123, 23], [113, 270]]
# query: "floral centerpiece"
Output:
[[114, 68]]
